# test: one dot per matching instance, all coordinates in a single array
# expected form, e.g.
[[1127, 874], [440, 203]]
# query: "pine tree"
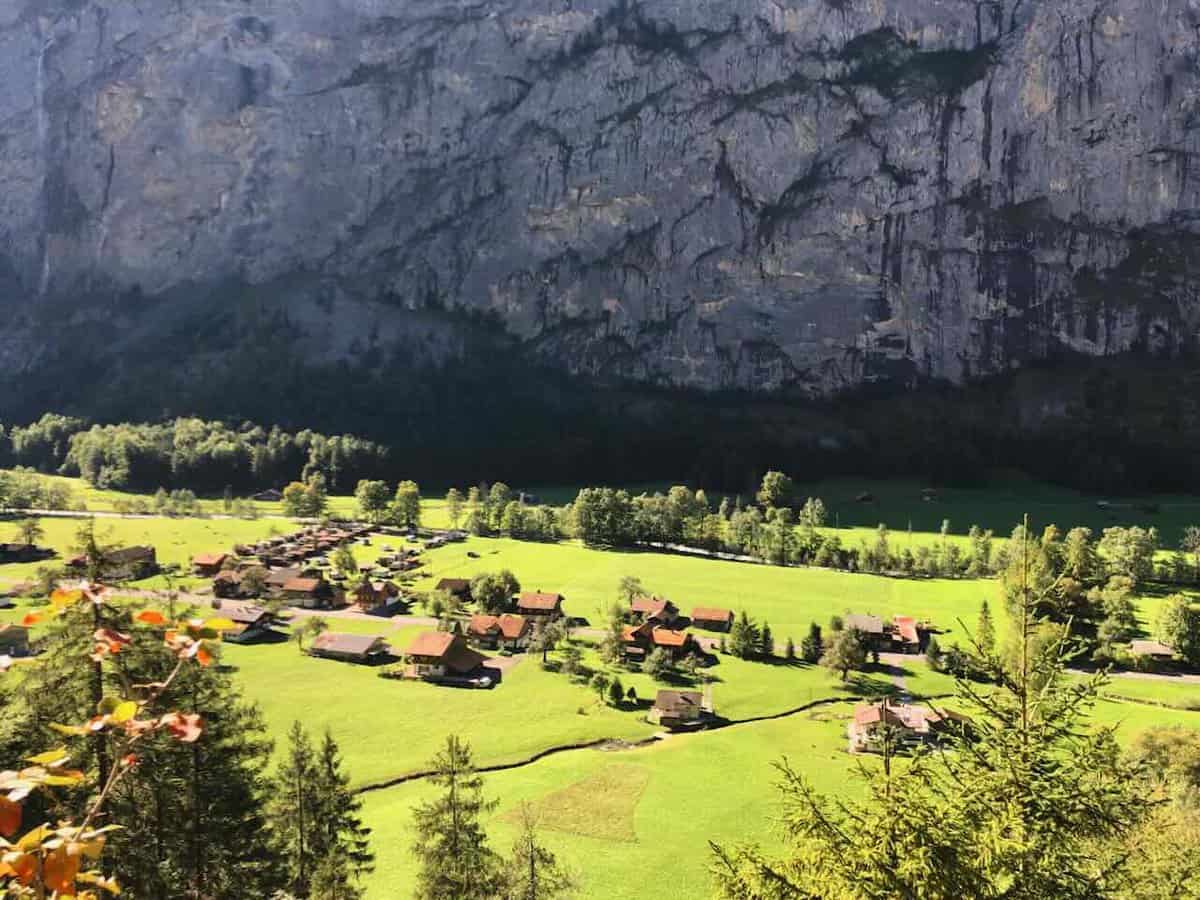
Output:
[[533, 872], [811, 647], [789, 650], [766, 641], [743, 637], [295, 812], [344, 848], [933, 654], [1028, 806], [985, 631], [451, 845]]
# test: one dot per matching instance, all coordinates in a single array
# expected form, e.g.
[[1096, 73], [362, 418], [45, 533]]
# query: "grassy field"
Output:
[[612, 812], [788, 598]]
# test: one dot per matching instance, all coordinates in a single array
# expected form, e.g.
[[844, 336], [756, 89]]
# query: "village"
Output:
[[269, 589]]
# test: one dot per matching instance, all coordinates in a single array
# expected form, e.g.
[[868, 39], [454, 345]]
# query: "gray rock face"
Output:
[[715, 193]]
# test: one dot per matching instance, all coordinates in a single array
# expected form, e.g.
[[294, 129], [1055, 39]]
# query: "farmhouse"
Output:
[[908, 725], [227, 584], [309, 593], [206, 565], [712, 618], [440, 654], [654, 609], [270, 495], [23, 553], [14, 640], [123, 563], [1152, 650], [372, 595], [869, 626], [253, 623], [640, 640], [679, 709], [456, 587], [905, 636], [506, 632], [355, 648], [536, 603]]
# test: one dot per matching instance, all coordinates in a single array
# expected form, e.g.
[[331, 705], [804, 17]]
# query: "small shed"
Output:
[[355, 648]]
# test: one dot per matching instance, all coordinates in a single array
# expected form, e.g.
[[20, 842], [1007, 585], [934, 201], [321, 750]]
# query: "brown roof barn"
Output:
[[358, 648], [436, 654], [677, 709], [712, 618], [458, 587], [537, 603]]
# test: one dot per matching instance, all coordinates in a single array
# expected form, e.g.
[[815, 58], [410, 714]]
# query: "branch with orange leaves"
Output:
[[47, 861]]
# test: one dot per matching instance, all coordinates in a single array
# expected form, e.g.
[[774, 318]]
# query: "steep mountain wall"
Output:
[[759, 194]]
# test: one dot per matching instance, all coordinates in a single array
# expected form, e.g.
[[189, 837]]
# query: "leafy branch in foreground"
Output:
[[54, 859]]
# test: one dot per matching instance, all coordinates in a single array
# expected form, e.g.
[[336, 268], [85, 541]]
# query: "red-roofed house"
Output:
[[440, 654], [909, 724], [536, 603], [639, 640], [206, 565], [654, 609], [904, 634], [506, 632], [712, 618]]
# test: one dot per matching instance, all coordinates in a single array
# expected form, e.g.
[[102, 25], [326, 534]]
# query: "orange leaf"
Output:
[[32, 619], [151, 617], [10, 817], [59, 871], [204, 657]]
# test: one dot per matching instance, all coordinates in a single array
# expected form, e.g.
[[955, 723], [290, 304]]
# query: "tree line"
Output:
[[205, 456]]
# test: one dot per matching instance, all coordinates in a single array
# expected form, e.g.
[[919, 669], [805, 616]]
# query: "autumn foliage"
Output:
[[60, 859]]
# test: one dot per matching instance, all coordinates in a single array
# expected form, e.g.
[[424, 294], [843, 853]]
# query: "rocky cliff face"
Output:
[[716, 193]]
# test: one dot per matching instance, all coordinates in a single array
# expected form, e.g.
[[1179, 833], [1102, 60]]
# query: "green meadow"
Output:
[[633, 807]]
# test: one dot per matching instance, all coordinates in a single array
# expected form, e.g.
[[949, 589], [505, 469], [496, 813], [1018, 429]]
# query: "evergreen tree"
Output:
[[616, 692], [766, 641], [1019, 812], [296, 811], [451, 845], [532, 871], [344, 850], [933, 654], [789, 650], [743, 637], [811, 646], [985, 631]]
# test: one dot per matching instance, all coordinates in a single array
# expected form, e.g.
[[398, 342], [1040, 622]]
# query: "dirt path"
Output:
[[1146, 676], [896, 663]]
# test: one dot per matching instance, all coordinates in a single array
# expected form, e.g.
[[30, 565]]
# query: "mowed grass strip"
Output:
[[600, 806]]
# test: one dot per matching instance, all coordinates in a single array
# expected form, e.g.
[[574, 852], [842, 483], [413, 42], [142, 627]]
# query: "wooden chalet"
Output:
[[640, 640], [441, 654], [712, 618], [277, 578], [14, 640], [679, 709], [907, 724], [23, 553], [456, 587], [122, 564], [206, 565], [356, 648], [372, 595], [540, 605], [253, 623], [654, 609], [506, 632], [1152, 650], [309, 593]]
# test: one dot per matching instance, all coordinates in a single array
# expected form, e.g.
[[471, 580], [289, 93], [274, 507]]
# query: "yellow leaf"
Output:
[[124, 712], [33, 838], [55, 757], [220, 625], [73, 730]]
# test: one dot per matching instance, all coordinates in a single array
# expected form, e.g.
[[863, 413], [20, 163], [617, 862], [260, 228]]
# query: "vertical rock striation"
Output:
[[760, 194]]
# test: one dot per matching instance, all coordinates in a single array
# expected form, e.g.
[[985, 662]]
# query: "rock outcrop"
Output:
[[761, 194]]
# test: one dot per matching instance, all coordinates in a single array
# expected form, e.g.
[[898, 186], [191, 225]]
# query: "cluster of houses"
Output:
[[654, 625], [902, 723], [904, 634], [446, 537], [23, 553], [121, 563], [303, 545]]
